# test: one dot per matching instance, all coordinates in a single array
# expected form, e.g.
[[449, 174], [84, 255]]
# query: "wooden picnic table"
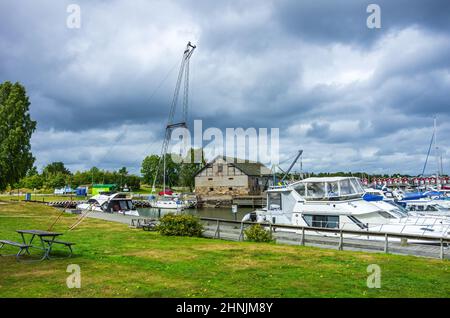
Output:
[[46, 238]]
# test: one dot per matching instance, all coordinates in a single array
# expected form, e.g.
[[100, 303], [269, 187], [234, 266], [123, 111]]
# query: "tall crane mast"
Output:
[[183, 73]]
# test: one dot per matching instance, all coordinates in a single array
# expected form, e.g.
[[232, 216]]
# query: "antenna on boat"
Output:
[[184, 72]]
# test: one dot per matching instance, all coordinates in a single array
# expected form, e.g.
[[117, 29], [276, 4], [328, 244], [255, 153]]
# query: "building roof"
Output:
[[325, 179], [250, 168]]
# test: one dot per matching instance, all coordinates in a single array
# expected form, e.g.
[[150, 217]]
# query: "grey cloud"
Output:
[[258, 64], [327, 22]]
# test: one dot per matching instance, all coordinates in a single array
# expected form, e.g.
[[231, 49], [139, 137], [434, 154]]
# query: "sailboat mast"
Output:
[[164, 175], [437, 150]]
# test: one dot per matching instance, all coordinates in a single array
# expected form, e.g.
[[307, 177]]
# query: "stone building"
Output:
[[231, 176]]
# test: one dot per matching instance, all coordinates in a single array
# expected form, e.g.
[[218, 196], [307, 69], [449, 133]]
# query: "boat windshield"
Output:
[[399, 210], [398, 213], [122, 205], [342, 189]]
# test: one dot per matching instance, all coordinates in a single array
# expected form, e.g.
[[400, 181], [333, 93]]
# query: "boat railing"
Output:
[[278, 187]]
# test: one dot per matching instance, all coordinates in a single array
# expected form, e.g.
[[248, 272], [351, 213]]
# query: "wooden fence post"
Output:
[[217, 230], [241, 233]]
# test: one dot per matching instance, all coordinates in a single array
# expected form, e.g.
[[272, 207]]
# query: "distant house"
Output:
[[231, 176], [65, 190]]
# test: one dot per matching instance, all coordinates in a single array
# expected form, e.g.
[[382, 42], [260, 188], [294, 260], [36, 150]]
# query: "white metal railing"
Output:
[[340, 231]]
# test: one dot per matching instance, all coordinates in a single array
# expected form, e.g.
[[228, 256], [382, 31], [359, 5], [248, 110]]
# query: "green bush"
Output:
[[256, 233], [180, 225]]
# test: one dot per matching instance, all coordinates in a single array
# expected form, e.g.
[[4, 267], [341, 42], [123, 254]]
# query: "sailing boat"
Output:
[[167, 201], [438, 153]]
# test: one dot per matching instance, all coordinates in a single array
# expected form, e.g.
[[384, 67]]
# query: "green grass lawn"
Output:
[[117, 261]]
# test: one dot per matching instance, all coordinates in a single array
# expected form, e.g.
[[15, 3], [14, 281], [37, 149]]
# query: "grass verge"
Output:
[[117, 261]]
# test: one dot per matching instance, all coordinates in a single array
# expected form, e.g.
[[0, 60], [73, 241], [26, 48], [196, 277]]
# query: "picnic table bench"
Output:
[[67, 244], [145, 224], [46, 238], [150, 226], [22, 247]]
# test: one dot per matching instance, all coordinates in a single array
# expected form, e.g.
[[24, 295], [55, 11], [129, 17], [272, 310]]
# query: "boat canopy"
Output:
[[103, 198], [330, 188]]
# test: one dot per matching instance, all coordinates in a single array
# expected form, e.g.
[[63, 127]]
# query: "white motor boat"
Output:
[[167, 202], [336, 202], [110, 203]]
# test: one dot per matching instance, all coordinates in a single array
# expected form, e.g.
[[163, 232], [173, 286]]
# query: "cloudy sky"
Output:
[[353, 98]]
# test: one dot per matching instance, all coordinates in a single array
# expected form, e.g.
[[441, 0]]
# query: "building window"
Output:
[[211, 189], [219, 168], [230, 189], [210, 179], [230, 178]]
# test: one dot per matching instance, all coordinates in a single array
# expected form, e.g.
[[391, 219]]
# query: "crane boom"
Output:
[[183, 73], [300, 152]]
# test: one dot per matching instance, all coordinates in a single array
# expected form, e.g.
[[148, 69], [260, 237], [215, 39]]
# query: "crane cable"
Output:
[[77, 222], [59, 216]]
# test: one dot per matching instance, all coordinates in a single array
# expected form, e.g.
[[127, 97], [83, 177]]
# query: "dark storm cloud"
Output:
[[311, 68], [326, 21]]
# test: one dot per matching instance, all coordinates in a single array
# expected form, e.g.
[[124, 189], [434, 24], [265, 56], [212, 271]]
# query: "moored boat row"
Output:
[[338, 202]]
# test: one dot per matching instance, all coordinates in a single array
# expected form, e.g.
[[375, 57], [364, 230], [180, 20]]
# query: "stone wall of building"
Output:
[[222, 178], [220, 191]]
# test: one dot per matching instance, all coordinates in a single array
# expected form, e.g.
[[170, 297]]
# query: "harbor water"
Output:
[[221, 213]]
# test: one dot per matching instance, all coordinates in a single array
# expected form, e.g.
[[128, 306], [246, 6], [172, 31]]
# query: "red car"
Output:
[[167, 192]]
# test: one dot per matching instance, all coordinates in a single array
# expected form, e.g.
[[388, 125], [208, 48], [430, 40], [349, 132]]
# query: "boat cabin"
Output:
[[112, 203], [329, 189]]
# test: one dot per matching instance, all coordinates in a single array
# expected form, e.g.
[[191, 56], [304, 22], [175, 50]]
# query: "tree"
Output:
[[95, 175], [32, 180], [32, 172], [55, 168], [16, 128], [152, 165], [56, 180], [189, 167], [149, 168], [35, 181]]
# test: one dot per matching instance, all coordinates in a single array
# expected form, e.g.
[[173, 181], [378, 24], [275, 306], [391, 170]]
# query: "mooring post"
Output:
[[341, 241], [386, 242], [442, 248], [302, 242]]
